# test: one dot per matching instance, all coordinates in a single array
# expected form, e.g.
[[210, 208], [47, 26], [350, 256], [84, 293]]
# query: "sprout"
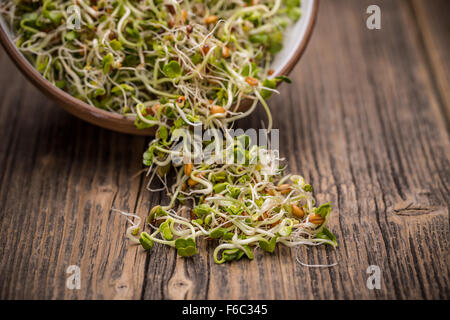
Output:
[[174, 70]]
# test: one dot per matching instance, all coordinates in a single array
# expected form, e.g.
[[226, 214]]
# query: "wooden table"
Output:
[[365, 121]]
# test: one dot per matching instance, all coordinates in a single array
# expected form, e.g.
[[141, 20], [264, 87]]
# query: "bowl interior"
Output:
[[295, 39]]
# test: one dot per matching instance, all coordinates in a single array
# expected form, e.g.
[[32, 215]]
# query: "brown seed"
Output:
[[217, 110], [192, 182], [184, 187], [251, 81], [188, 169], [83, 52], [270, 72], [297, 211], [112, 35], [181, 100], [184, 15], [269, 192], [251, 3], [316, 219], [204, 50], [265, 215], [284, 188], [228, 224], [274, 224], [156, 107], [189, 29], [211, 19], [171, 8], [225, 52]]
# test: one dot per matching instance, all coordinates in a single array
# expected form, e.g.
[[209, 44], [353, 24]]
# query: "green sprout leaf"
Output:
[[201, 210], [234, 192], [71, 35], [259, 38], [268, 83], [146, 241], [248, 252], [172, 70], [294, 13], [187, 252], [228, 236], [323, 210], [163, 133], [327, 234], [285, 231], [107, 62], [118, 89], [61, 84], [275, 42], [164, 228], [283, 79], [196, 58], [198, 221], [208, 220], [218, 233], [219, 187], [185, 247], [29, 22], [230, 254], [268, 246], [54, 16], [250, 70], [116, 45], [157, 211]]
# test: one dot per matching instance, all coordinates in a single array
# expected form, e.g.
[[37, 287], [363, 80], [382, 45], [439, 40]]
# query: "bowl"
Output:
[[296, 38]]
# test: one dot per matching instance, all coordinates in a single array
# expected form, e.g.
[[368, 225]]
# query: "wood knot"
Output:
[[121, 287], [179, 286], [415, 205]]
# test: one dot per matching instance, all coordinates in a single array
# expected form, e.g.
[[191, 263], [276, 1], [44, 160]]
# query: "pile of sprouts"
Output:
[[178, 65]]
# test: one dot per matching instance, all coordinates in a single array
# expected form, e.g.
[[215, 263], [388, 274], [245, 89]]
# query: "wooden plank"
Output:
[[60, 178], [434, 26], [362, 122]]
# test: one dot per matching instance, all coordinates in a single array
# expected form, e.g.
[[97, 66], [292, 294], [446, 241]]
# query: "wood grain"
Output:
[[60, 178], [434, 26], [363, 121]]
